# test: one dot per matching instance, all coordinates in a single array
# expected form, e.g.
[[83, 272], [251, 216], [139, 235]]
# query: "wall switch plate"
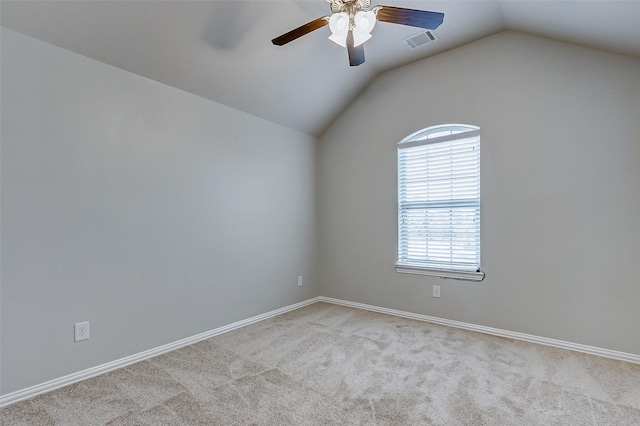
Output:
[[81, 330], [436, 291], [300, 281]]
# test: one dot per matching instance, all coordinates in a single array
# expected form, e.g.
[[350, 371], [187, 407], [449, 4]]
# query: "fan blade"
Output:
[[356, 53], [412, 17], [300, 31]]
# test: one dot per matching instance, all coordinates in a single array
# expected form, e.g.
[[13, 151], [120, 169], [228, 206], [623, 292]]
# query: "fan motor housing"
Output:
[[338, 6]]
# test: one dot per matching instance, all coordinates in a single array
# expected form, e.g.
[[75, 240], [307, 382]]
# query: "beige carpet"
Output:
[[331, 365]]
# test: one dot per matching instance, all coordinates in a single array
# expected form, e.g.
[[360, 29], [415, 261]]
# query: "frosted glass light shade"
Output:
[[339, 26], [364, 23]]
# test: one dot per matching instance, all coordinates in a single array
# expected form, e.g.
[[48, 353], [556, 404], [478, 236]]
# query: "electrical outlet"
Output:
[[81, 330], [300, 281], [436, 291]]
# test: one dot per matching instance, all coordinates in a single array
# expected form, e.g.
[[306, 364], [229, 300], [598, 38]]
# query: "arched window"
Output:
[[439, 202]]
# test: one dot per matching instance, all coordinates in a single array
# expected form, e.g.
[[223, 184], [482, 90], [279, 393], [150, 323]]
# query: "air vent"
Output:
[[421, 39]]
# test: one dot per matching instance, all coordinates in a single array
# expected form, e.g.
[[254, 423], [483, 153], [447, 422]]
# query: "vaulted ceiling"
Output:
[[222, 50]]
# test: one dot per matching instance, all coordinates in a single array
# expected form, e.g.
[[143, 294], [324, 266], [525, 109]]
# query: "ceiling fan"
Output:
[[352, 21]]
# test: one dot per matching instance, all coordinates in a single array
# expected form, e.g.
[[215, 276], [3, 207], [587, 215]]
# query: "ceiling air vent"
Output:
[[421, 39]]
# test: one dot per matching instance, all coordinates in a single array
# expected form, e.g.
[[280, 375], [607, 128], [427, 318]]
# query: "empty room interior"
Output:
[[239, 212]]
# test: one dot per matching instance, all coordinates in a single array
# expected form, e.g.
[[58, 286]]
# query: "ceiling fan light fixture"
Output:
[[339, 26], [364, 23]]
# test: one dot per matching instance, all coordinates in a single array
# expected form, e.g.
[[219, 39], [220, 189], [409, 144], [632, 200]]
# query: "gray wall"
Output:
[[152, 213], [157, 215], [560, 129]]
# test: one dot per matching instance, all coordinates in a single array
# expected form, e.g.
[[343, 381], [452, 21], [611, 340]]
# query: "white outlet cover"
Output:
[[299, 281], [436, 291], [81, 331]]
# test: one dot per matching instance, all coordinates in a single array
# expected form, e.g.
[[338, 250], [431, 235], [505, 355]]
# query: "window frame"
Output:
[[428, 136]]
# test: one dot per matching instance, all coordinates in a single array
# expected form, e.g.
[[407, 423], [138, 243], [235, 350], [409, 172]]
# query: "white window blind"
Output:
[[439, 199]]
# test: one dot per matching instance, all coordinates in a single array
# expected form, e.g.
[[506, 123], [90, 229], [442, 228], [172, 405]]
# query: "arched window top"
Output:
[[439, 131]]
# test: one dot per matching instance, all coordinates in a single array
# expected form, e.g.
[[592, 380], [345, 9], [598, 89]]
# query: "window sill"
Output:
[[442, 273]]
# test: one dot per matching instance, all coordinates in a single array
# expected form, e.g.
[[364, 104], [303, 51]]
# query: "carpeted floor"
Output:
[[326, 364]]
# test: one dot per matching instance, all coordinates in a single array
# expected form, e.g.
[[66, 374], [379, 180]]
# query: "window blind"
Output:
[[439, 200]]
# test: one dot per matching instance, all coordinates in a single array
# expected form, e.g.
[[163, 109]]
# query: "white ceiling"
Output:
[[222, 50]]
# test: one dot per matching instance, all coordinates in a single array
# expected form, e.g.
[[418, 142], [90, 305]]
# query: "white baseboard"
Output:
[[623, 356], [32, 391], [141, 356]]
